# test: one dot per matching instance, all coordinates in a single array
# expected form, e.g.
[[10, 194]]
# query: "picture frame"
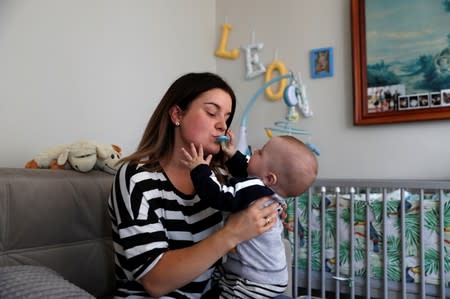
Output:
[[321, 60], [369, 101]]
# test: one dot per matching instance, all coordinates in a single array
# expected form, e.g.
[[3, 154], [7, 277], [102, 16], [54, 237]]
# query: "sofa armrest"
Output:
[[58, 219]]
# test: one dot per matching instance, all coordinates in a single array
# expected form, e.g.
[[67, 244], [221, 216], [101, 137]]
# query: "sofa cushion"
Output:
[[36, 282]]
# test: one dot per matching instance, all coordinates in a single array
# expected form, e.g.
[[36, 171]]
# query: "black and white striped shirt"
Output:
[[149, 217]]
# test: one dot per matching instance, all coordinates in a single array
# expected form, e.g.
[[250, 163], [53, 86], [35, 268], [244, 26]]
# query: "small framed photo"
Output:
[[321, 62], [413, 101], [424, 100], [445, 96], [435, 99], [403, 102]]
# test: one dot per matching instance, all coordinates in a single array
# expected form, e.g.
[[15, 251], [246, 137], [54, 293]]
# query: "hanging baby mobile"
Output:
[[290, 88]]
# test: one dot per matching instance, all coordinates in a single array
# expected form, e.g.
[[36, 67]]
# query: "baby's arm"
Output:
[[237, 162], [194, 158], [231, 198], [228, 147]]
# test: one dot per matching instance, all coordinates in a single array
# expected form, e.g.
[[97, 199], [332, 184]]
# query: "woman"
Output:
[[167, 241]]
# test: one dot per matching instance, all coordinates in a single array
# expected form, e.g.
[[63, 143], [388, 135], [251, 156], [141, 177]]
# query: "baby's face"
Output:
[[258, 165]]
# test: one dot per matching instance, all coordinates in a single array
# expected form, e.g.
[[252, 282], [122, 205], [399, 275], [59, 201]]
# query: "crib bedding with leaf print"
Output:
[[393, 234]]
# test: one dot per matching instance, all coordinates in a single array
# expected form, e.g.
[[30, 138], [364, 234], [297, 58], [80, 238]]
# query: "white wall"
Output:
[[294, 27], [82, 69], [92, 70]]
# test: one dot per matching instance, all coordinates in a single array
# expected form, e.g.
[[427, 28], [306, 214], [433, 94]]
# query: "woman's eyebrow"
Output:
[[213, 104]]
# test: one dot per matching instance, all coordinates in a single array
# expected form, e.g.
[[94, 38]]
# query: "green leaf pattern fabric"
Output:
[[410, 216]]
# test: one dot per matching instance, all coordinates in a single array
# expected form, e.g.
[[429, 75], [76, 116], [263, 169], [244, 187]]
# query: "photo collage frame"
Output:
[[393, 98], [425, 100]]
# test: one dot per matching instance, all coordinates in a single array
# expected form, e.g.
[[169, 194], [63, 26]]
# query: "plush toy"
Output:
[[48, 158], [108, 157], [81, 156]]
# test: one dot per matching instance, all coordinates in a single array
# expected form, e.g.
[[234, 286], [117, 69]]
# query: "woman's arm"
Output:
[[178, 267]]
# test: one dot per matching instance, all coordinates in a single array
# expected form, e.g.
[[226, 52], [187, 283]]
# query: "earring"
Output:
[[177, 124]]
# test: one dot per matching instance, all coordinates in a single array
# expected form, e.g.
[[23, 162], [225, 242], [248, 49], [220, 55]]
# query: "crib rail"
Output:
[[318, 283]]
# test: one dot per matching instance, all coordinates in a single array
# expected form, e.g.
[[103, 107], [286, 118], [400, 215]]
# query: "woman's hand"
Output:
[[283, 216], [251, 222]]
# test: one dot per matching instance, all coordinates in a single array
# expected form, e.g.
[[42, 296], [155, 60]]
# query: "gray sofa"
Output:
[[56, 222]]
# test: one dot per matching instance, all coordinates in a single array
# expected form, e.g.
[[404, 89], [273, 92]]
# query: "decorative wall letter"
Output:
[[303, 103], [281, 68], [254, 67], [295, 94], [221, 51]]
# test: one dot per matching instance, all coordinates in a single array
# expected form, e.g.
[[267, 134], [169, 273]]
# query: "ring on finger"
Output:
[[267, 220]]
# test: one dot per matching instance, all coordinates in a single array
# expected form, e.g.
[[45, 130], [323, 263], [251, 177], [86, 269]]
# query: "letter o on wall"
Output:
[[281, 68]]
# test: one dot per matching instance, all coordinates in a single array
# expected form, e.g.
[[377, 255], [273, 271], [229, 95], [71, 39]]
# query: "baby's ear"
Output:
[[270, 179]]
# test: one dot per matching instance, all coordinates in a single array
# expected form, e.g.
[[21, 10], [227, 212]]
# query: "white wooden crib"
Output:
[[412, 261]]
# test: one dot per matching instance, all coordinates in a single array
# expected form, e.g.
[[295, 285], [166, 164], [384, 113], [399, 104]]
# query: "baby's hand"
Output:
[[228, 147], [194, 158]]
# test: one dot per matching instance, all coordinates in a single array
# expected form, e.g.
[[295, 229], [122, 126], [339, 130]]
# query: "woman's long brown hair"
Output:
[[158, 140]]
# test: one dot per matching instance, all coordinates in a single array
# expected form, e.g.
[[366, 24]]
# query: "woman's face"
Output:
[[205, 119]]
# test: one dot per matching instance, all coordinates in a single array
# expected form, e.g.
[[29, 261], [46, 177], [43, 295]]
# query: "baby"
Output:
[[284, 167]]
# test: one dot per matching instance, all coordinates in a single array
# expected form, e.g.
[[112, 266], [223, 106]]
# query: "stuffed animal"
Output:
[[48, 158], [81, 156], [108, 157]]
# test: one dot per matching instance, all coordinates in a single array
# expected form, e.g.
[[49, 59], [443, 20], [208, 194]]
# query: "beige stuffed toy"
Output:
[[48, 158], [108, 158], [81, 156]]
